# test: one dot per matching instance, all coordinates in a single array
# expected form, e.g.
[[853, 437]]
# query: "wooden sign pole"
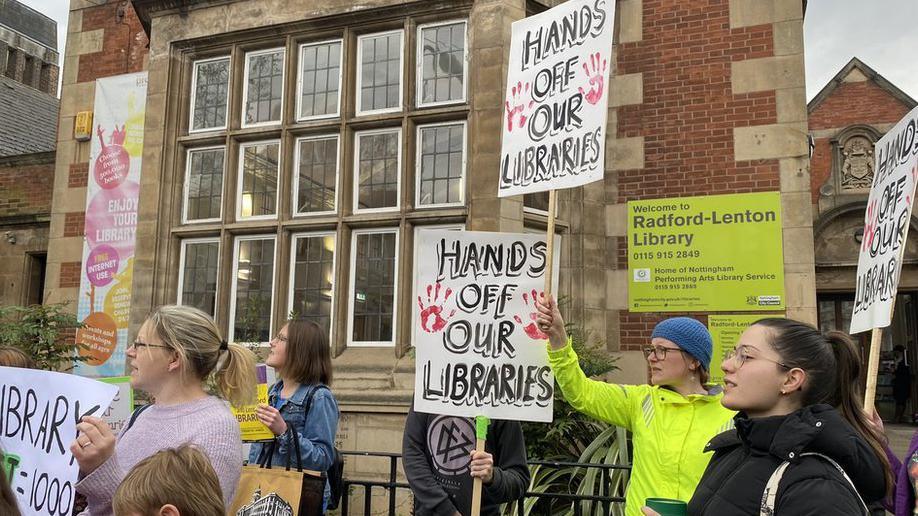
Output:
[[550, 240], [873, 366], [481, 434]]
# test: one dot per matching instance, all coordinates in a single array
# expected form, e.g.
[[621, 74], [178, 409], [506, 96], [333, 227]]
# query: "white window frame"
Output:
[[194, 87], [188, 153], [398, 193], [296, 175], [245, 85], [419, 57], [313, 234], [401, 67], [181, 275], [536, 211], [417, 166], [232, 315], [240, 176], [414, 269], [299, 80], [352, 262]]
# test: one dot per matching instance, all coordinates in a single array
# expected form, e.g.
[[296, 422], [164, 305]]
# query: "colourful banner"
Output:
[[112, 195], [715, 253], [725, 333], [252, 429], [556, 102], [886, 222]]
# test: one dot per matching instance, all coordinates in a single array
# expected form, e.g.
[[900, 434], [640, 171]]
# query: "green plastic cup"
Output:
[[667, 506]]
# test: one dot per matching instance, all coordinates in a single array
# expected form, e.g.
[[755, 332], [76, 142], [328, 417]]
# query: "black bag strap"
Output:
[[264, 460], [134, 415]]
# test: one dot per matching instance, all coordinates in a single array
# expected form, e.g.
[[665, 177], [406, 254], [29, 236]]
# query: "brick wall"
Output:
[[70, 274], [25, 186], [688, 115], [124, 42]]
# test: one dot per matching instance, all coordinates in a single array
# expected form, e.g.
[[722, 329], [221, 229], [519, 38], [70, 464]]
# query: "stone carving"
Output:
[[857, 163]]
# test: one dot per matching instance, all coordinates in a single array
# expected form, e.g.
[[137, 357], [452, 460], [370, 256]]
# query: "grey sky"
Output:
[[881, 33]]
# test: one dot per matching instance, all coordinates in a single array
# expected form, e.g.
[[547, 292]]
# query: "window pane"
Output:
[[374, 284], [264, 87], [252, 317], [378, 170], [441, 164], [313, 273], [318, 166], [443, 63], [536, 201], [211, 82], [319, 75], [204, 184], [380, 71], [259, 179], [199, 275]]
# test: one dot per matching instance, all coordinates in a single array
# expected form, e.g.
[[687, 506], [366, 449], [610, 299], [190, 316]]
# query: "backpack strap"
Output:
[[769, 497], [134, 416]]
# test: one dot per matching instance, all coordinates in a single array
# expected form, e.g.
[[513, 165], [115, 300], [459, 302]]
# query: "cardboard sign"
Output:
[[39, 411], [554, 130], [886, 222], [252, 428], [479, 351], [119, 413]]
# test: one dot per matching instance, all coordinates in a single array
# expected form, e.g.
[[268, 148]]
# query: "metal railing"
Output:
[[604, 499]]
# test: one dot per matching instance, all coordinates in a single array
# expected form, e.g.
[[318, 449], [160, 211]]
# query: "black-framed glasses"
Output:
[[740, 356], [658, 351], [137, 345]]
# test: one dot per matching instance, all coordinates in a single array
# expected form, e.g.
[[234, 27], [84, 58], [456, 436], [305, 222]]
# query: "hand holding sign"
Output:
[[550, 321], [94, 444], [482, 466], [531, 329], [271, 418]]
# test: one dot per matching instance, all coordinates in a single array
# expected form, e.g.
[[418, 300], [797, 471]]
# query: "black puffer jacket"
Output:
[[746, 457]]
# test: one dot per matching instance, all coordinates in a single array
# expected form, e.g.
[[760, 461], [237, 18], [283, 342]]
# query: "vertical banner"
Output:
[[38, 415], [479, 351], [111, 219], [725, 333], [889, 210], [555, 108]]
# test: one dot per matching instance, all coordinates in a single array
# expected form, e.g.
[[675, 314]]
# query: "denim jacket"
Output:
[[314, 431]]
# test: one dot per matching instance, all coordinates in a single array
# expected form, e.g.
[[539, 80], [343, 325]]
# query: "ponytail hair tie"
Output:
[[223, 345]]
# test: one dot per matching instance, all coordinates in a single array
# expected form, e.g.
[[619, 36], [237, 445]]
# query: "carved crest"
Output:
[[857, 164]]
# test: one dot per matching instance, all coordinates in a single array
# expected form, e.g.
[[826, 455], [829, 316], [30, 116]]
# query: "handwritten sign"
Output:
[[554, 131], [479, 351], [119, 413], [252, 429], [39, 411], [889, 210]]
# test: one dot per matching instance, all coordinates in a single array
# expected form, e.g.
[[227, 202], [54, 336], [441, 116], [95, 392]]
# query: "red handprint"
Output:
[[597, 78], [519, 106], [531, 329], [870, 224], [432, 319]]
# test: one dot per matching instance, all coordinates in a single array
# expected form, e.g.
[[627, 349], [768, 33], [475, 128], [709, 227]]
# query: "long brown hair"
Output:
[[833, 368], [308, 354]]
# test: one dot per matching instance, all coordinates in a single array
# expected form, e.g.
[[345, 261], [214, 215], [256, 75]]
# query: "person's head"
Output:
[[679, 352], [300, 353], [182, 345], [780, 365], [171, 482], [8, 505], [15, 357]]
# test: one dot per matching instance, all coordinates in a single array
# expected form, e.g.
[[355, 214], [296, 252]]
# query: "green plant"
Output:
[[44, 332], [250, 319]]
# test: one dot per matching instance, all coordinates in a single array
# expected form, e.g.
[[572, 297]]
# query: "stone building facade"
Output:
[[28, 47], [706, 98]]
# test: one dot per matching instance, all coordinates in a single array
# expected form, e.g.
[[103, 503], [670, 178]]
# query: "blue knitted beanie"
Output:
[[690, 335]]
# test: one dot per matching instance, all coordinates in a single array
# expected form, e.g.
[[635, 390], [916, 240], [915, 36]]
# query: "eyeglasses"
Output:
[[658, 351], [137, 345], [281, 338], [740, 356]]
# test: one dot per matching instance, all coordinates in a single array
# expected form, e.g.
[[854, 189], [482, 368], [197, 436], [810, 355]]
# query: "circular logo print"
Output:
[[451, 440]]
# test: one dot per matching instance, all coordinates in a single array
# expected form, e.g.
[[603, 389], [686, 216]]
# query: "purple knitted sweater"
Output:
[[206, 423]]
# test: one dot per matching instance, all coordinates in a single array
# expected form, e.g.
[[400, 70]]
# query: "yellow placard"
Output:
[[252, 429]]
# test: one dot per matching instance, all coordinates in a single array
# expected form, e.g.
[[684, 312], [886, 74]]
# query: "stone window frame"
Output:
[[295, 190], [352, 272], [418, 164], [181, 268], [194, 82], [186, 184], [837, 145], [299, 80], [419, 73], [230, 334], [334, 290], [344, 221]]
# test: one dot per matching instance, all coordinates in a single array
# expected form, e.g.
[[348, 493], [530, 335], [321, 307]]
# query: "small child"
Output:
[[171, 482]]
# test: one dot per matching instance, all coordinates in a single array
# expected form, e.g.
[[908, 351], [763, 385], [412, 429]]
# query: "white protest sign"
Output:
[[119, 413], [554, 132], [479, 351], [889, 210], [39, 411]]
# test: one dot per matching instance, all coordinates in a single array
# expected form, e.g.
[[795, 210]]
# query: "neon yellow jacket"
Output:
[[669, 430]]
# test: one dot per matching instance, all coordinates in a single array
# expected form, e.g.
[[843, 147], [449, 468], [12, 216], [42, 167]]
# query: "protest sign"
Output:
[[252, 429], [711, 253], [479, 351], [556, 100], [119, 413], [112, 196], [39, 411], [886, 222], [725, 333]]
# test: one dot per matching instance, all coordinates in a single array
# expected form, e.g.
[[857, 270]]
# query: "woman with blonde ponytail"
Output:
[[177, 350]]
